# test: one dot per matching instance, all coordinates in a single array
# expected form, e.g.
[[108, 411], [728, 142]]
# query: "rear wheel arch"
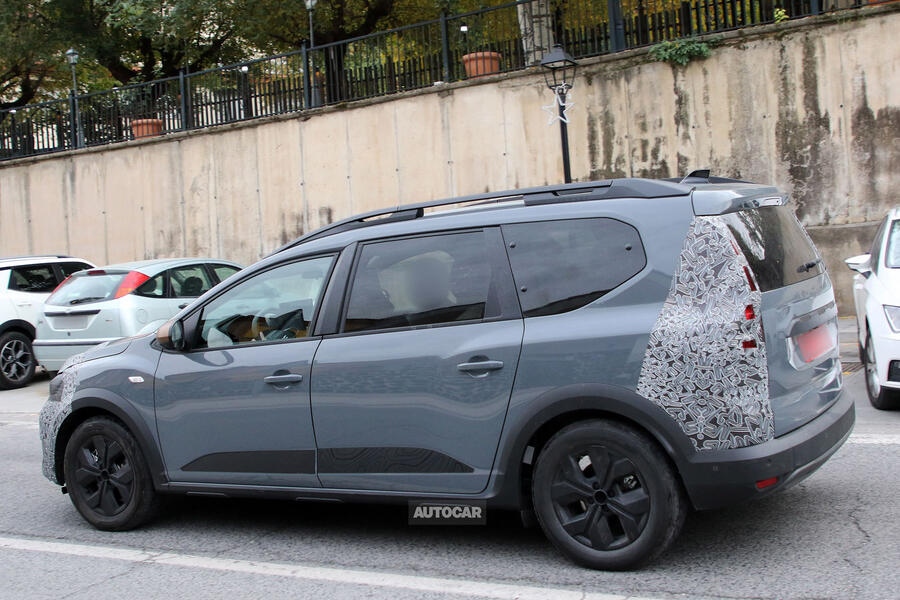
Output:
[[19, 325], [565, 407], [86, 408]]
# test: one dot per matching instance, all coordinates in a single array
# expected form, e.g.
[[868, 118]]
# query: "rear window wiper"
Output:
[[805, 267], [88, 299]]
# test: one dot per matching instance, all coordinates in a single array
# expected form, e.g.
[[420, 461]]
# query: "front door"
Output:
[[234, 408], [411, 394]]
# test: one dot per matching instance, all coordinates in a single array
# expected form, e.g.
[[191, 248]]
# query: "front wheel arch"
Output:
[[84, 409]]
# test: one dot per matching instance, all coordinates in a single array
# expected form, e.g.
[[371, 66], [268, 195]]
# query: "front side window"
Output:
[[38, 279], [422, 281], [189, 282], [563, 265], [273, 306]]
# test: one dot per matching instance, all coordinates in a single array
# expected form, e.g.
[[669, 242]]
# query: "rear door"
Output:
[[799, 314], [28, 287], [411, 391]]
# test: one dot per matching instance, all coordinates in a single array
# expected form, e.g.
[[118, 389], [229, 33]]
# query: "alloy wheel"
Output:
[[104, 475], [15, 360], [600, 499]]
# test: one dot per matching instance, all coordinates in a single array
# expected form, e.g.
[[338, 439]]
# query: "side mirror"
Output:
[[171, 335], [860, 264]]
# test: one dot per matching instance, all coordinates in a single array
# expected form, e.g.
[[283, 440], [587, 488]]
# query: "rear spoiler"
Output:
[[720, 199]]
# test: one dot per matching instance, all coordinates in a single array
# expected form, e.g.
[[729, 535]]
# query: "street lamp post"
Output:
[[559, 74], [72, 57], [310, 5]]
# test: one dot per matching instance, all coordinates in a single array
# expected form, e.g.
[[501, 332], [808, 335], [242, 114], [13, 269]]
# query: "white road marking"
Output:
[[418, 583], [880, 439]]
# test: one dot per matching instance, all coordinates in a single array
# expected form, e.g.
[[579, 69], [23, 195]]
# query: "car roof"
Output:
[[154, 266], [717, 195], [14, 261]]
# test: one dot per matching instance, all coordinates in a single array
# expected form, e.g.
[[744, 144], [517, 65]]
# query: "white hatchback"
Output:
[[876, 294], [25, 282], [101, 305]]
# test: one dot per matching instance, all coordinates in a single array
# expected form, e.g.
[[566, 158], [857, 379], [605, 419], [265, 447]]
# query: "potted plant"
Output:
[[479, 58]]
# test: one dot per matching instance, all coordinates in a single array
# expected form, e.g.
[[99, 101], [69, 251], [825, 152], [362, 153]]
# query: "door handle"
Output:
[[481, 365], [183, 305], [283, 379]]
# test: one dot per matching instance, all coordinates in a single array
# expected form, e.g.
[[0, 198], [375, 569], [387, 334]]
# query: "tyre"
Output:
[[606, 497], [16, 360], [107, 476], [880, 397]]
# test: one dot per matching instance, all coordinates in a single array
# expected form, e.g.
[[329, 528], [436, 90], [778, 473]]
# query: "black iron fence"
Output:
[[499, 39]]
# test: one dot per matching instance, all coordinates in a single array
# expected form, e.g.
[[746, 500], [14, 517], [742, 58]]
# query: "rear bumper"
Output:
[[51, 354], [719, 478]]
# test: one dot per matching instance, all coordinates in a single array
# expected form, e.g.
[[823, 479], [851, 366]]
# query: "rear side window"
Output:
[[38, 279], [155, 287], [422, 281], [776, 246], [223, 272], [69, 268], [563, 265]]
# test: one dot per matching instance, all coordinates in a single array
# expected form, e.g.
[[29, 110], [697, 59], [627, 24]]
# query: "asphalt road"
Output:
[[833, 536]]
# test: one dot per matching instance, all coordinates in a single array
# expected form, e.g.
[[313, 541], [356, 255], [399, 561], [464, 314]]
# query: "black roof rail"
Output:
[[550, 194]]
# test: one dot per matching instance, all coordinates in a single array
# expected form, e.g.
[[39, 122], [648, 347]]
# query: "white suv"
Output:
[[25, 282]]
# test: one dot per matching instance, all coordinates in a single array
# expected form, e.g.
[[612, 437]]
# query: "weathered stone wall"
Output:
[[810, 105]]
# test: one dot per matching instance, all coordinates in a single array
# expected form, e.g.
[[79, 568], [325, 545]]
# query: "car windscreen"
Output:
[[87, 287], [779, 251], [892, 256]]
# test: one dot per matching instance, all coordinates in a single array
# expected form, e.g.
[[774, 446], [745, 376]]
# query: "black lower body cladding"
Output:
[[714, 479]]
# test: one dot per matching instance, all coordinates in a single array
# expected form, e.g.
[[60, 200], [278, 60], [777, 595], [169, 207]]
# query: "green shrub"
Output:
[[680, 52]]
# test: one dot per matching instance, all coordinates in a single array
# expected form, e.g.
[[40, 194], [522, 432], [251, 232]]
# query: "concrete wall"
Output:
[[811, 105]]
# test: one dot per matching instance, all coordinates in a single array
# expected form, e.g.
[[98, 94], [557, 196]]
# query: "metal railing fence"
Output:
[[498, 39]]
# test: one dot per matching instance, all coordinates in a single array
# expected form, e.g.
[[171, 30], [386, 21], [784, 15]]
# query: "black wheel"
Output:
[[16, 360], [606, 497], [107, 477], [880, 397]]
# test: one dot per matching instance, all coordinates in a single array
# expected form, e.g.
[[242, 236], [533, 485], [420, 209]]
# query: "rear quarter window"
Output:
[[563, 265], [776, 246]]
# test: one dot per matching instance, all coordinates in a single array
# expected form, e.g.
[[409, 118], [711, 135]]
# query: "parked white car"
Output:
[[876, 294], [25, 282], [105, 304]]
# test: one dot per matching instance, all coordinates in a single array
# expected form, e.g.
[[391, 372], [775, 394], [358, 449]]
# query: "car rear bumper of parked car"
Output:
[[51, 354], [719, 478]]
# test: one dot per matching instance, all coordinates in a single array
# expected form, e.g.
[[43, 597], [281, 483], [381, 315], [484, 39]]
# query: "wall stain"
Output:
[[875, 148], [804, 143]]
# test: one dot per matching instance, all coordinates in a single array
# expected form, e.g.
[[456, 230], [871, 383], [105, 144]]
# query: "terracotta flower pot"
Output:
[[146, 127], [478, 64]]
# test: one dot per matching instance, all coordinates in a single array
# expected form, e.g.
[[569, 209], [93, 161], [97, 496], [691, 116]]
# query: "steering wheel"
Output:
[[260, 320]]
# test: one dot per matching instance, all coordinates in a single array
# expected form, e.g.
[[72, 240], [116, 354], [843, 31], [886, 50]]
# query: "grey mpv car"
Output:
[[607, 354]]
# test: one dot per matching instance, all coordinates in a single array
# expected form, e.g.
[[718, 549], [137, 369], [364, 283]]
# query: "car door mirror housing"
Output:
[[171, 335], [860, 264]]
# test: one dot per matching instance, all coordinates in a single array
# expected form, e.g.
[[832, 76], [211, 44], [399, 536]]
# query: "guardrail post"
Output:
[[185, 104], [13, 134], [445, 47], [244, 79], [307, 89], [616, 25]]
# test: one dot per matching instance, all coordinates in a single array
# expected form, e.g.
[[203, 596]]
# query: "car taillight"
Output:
[[132, 281], [814, 343], [62, 283]]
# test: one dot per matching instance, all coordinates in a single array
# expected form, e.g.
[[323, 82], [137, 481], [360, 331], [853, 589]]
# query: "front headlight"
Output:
[[893, 317]]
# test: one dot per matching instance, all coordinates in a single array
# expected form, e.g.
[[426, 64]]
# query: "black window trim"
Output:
[[193, 318], [508, 301]]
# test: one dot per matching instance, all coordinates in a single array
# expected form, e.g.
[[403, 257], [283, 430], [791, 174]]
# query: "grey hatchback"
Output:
[[606, 355]]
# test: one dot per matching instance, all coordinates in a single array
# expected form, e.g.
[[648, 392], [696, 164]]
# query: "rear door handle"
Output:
[[183, 305], [481, 365], [283, 379]]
